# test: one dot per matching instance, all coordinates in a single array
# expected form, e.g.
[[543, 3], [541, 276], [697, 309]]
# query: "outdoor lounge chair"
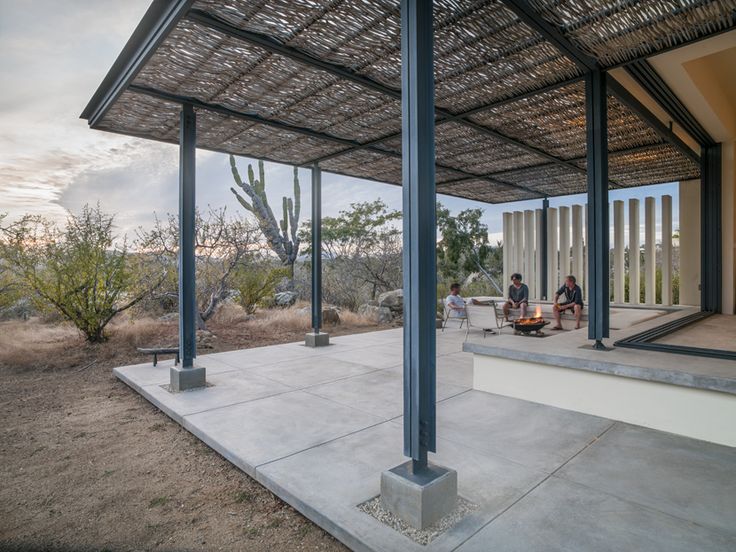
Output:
[[487, 317], [446, 317]]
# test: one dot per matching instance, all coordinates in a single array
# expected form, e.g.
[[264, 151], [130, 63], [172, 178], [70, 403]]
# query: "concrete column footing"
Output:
[[183, 379], [420, 499], [317, 339]]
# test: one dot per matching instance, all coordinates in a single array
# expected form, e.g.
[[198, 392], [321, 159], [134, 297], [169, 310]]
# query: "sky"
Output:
[[54, 56]]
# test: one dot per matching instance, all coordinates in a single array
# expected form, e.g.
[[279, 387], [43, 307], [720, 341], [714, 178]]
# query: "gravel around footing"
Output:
[[374, 508]]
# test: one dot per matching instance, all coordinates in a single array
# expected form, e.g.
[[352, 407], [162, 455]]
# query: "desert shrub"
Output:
[[255, 283], [78, 271], [222, 244]]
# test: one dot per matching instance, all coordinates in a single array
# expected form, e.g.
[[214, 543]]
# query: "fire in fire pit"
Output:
[[531, 325]]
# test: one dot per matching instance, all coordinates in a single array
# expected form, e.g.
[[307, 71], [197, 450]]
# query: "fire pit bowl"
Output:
[[526, 326]]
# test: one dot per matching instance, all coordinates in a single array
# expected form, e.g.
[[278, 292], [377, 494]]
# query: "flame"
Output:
[[538, 312]]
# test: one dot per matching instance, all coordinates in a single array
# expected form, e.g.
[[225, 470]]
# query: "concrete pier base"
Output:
[[317, 339], [420, 499], [183, 379]]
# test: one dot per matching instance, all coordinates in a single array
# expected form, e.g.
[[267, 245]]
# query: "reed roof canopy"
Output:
[[305, 81]]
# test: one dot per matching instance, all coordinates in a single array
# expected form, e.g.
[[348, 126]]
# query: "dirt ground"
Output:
[[87, 464]]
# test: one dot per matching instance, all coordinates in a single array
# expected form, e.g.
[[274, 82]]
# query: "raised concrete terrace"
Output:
[[318, 426]]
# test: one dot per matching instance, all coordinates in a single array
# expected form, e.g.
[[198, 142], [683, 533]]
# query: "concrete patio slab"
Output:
[[560, 516], [543, 478], [224, 389], [306, 372], [148, 374], [379, 393], [375, 356], [538, 436], [683, 477], [267, 429], [334, 480]]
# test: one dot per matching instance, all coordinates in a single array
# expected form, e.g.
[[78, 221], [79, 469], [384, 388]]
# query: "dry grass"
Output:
[[33, 342], [38, 345], [144, 332]]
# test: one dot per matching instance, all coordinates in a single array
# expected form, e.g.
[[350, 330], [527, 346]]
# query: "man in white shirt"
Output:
[[455, 304]]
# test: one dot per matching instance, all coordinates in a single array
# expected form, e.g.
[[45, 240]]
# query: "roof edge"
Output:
[[158, 21]]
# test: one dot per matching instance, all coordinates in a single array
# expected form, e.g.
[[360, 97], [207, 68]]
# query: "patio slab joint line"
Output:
[[539, 483], [257, 466]]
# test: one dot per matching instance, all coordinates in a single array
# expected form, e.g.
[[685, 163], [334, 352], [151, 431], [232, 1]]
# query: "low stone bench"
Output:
[[155, 351]]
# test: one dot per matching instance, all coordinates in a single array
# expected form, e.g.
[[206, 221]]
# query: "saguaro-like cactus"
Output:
[[282, 236]]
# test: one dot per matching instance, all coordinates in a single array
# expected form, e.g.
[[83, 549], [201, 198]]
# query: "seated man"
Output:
[[573, 300], [518, 296], [454, 303]]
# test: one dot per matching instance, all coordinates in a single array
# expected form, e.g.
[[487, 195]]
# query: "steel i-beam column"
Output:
[[418, 492], [711, 256], [539, 274], [187, 376], [597, 153], [317, 338], [420, 288]]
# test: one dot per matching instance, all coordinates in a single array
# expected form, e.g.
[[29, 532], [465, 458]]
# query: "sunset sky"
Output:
[[54, 55]]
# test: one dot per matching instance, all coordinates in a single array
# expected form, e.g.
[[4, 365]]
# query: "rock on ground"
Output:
[[379, 315]]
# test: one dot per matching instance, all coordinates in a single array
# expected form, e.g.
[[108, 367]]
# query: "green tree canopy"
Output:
[[79, 270], [362, 249]]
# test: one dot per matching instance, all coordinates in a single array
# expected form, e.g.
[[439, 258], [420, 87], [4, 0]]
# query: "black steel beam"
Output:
[[442, 120], [596, 117], [542, 244], [316, 248], [419, 230], [628, 99], [711, 254], [529, 15], [652, 83], [188, 312], [269, 44], [253, 118]]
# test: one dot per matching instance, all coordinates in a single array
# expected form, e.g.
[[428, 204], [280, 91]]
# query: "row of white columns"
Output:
[[566, 251]]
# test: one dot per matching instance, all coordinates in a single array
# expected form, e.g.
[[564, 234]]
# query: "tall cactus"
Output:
[[282, 236]]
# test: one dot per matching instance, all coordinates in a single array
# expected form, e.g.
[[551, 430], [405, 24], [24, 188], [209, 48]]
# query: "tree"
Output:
[[282, 236], [222, 244], [79, 270], [362, 251], [8, 283], [464, 247]]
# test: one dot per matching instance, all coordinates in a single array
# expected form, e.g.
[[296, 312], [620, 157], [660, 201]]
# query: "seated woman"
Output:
[[573, 301], [518, 296]]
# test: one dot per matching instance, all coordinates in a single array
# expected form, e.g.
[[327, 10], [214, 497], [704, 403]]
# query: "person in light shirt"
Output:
[[455, 304]]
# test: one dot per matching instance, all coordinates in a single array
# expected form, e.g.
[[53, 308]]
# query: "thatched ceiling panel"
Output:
[[551, 180], [366, 164], [463, 147], [482, 190], [144, 117], [555, 122], [483, 53], [615, 32], [658, 164]]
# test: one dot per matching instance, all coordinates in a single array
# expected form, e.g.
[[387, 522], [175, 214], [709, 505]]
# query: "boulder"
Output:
[[205, 339], [330, 315], [394, 300], [285, 298], [379, 315]]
